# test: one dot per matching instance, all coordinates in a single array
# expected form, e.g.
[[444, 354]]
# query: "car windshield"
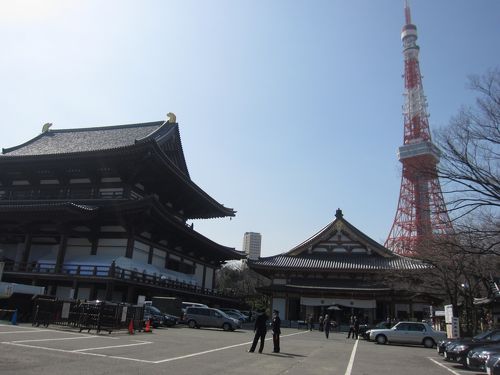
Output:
[[222, 313], [154, 310], [482, 335]]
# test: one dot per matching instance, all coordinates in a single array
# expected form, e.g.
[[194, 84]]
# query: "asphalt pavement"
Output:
[[27, 350]]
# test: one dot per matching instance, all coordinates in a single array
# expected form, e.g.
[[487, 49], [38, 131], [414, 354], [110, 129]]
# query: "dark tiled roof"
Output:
[[344, 262], [85, 139]]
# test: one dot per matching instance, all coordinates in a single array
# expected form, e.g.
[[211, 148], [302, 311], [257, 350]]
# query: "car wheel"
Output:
[[226, 326], [428, 342], [192, 324], [381, 339]]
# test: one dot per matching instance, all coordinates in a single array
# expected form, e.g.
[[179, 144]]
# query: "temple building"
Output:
[[101, 213], [342, 272]]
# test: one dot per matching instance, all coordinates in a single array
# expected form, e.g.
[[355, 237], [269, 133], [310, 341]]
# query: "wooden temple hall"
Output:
[[101, 213], [341, 272]]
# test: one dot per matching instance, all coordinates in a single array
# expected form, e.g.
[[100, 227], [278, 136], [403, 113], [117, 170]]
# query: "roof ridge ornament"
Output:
[[172, 119], [46, 126], [339, 214]]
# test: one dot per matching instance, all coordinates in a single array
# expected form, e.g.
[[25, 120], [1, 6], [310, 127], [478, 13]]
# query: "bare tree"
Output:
[[470, 165]]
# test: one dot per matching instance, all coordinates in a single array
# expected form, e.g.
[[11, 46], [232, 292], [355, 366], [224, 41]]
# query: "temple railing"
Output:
[[112, 271]]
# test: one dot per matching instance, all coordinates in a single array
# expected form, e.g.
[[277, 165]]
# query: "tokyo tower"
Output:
[[421, 212]]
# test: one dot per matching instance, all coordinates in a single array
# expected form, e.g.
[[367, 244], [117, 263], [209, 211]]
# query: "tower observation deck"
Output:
[[421, 211]]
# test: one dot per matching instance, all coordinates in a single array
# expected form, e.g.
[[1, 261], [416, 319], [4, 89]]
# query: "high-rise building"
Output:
[[421, 212], [251, 245]]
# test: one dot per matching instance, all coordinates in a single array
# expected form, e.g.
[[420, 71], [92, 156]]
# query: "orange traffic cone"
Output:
[[148, 326], [131, 327]]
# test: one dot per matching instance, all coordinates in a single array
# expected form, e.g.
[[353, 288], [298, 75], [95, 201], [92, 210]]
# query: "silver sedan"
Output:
[[408, 333]]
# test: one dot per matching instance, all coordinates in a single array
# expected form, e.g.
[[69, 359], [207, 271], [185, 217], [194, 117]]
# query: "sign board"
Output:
[[124, 314], [65, 310], [141, 299], [448, 314], [455, 328]]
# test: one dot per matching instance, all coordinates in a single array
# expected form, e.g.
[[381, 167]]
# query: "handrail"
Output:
[[111, 271]]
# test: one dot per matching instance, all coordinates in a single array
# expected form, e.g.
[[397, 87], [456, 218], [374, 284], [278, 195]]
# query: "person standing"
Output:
[[326, 325], [320, 321], [310, 322], [351, 327], [260, 330], [356, 328], [276, 325]]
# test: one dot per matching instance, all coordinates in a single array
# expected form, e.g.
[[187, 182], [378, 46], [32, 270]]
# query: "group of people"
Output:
[[325, 324], [260, 329]]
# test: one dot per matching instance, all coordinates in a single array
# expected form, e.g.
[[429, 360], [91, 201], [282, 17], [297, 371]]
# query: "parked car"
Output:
[[185, 305], [170, 320], [408, 333], [364, 329], [235, 315], [477, 357], [154, 315], [197, 317], [493, 365], [458, 350], [443, 344]]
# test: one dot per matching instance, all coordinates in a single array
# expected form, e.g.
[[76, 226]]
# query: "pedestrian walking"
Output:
[[276, 327], [320, 321], [326, 325], [260, 330]]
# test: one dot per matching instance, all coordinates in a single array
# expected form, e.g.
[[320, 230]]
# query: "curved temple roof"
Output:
[[65, 141]]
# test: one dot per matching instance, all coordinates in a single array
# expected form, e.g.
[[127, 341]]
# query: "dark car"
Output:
[[477, 357], [458, 350], [493, 365], [154, 315], [170, 320], [443, 344]]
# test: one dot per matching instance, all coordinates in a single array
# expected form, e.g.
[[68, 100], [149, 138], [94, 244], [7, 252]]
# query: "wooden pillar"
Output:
[[213, 278], [130, 244], [75, 289], [204, 275], [150, 255], [110, 286], [26, 251], [61, 252]]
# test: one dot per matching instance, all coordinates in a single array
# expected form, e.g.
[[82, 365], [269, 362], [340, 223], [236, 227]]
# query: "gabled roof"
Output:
[[340, 225], [338, 246]]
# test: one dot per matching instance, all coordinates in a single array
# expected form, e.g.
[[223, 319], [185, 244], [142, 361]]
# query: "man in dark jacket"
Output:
[[276, 331], [260, 330]]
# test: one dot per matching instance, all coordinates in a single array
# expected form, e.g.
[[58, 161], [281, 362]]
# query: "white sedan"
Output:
[[408, 333]]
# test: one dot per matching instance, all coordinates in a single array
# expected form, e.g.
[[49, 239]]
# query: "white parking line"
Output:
[[114, 346], [351, 360], [38, 330], [56, 339], [86, 351], [218, 349], [440, 364]]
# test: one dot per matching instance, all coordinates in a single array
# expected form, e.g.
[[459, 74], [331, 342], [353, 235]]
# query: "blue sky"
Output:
[[288, 110]]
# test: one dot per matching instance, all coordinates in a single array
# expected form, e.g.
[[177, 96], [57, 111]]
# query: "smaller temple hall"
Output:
[[342, 272]]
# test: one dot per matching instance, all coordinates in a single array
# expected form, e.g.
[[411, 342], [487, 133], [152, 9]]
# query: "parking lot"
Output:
[[180, 350]]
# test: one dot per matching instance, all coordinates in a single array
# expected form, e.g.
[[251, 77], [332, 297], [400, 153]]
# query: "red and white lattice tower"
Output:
[[421, 211]]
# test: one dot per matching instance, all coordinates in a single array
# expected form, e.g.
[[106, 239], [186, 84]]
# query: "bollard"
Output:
[[13, 321]]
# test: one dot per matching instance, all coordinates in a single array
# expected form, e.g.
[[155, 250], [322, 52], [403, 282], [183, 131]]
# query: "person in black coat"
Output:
[[276, 331], [260, 330]]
